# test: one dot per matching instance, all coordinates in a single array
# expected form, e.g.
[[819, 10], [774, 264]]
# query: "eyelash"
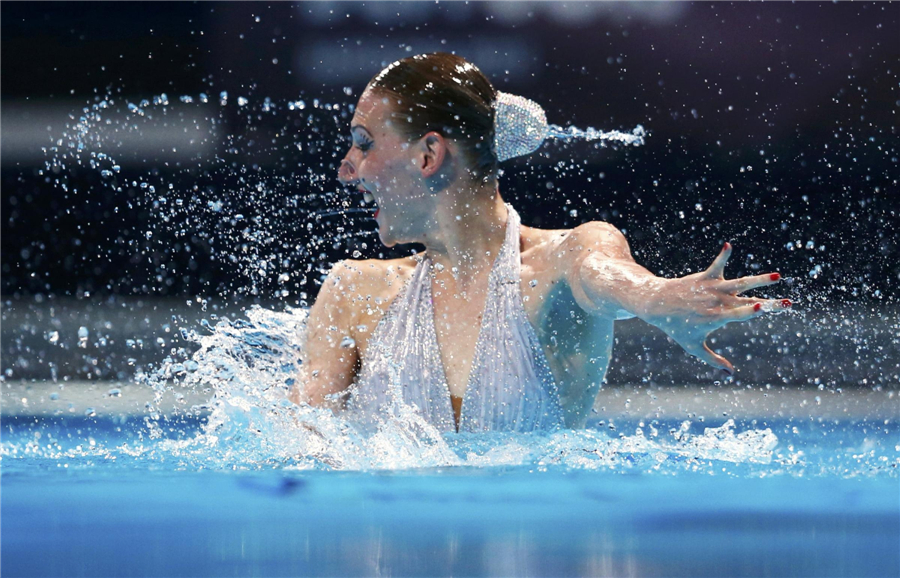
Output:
[[364, 144]]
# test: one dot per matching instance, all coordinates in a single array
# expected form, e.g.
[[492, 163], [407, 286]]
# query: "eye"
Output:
[[364, 143]]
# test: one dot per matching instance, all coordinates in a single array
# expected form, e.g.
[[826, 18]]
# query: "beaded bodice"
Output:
[[510, 385]]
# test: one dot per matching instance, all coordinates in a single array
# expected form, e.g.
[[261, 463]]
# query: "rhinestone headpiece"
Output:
[[520, 126]]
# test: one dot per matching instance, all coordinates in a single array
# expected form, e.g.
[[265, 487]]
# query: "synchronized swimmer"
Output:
[[496, 325]]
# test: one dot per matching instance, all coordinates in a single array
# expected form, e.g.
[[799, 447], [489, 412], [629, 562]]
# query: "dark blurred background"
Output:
[[772, 125]]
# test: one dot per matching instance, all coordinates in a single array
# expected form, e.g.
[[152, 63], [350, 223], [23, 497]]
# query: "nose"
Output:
[[347, 172]]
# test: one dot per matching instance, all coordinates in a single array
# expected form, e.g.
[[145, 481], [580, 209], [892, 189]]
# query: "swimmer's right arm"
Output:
[[328, 368]]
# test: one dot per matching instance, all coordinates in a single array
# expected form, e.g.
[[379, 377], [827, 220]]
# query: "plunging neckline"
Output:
[[509, 385], [429, 299]]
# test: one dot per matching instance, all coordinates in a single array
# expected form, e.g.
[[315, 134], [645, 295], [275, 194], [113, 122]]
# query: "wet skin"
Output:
[[577, 345], [574, 283]]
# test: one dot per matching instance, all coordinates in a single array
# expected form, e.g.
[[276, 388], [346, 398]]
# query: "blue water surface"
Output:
[[96, 510]]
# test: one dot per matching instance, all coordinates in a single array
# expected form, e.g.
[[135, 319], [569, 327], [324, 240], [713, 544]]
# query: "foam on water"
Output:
[[248, 366]]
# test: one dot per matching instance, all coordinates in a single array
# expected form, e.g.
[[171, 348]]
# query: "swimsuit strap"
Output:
[[510, 386]]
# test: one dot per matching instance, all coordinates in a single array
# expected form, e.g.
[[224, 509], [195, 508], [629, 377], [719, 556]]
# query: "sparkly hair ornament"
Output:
[[520, 128]]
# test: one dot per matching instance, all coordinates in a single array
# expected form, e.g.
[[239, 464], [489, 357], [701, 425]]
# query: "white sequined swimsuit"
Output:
[[510, 386]]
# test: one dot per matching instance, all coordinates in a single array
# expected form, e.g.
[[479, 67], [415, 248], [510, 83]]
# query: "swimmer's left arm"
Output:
[[606, 281]]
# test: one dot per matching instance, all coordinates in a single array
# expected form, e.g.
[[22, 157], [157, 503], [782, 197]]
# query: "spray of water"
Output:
[[634, 138], [247, 366], [250, 365]]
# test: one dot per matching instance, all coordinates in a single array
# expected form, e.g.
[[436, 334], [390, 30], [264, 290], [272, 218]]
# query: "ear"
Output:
[[433, 149]]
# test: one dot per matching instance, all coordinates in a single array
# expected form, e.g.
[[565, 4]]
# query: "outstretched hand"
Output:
[[694, 306]]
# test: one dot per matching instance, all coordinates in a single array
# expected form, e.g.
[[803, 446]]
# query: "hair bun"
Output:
[[520, 126]]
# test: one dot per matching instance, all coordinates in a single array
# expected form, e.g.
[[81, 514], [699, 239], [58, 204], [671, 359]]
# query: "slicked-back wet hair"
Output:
[[444, 93]]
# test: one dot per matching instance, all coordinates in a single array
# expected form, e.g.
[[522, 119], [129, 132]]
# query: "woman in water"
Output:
[[495, 326]]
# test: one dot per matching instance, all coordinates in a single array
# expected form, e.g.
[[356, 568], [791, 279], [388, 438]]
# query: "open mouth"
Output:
[[369, 199]]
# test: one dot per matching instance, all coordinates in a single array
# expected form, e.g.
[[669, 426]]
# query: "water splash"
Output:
[[341, 212], [634, 138], [247, 366], [239, 203]]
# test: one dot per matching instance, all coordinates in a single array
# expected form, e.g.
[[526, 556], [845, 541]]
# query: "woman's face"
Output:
[[385, 165]]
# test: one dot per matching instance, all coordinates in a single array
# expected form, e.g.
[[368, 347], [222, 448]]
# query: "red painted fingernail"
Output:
[[775, 276], [727, 246], [785, 303], [757, 307]]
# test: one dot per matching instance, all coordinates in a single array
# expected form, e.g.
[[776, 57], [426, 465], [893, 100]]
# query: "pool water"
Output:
[[97, 496], [200, 466], [207, 471]]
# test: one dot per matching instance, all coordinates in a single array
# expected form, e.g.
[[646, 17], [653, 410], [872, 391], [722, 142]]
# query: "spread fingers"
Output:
[[717, 269], [736, 286], [712, 358], [759, 307]]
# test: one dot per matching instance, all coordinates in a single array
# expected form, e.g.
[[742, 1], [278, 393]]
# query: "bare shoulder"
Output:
[[565, 248], [355, 296], [596, 236], [369, 280], [541, 243]]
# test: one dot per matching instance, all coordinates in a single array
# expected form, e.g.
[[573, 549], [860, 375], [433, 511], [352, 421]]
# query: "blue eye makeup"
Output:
[[364, 143]]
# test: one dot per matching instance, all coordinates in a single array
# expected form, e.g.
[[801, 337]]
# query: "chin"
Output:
[[387, 242], [391, 237], [386, 237]]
